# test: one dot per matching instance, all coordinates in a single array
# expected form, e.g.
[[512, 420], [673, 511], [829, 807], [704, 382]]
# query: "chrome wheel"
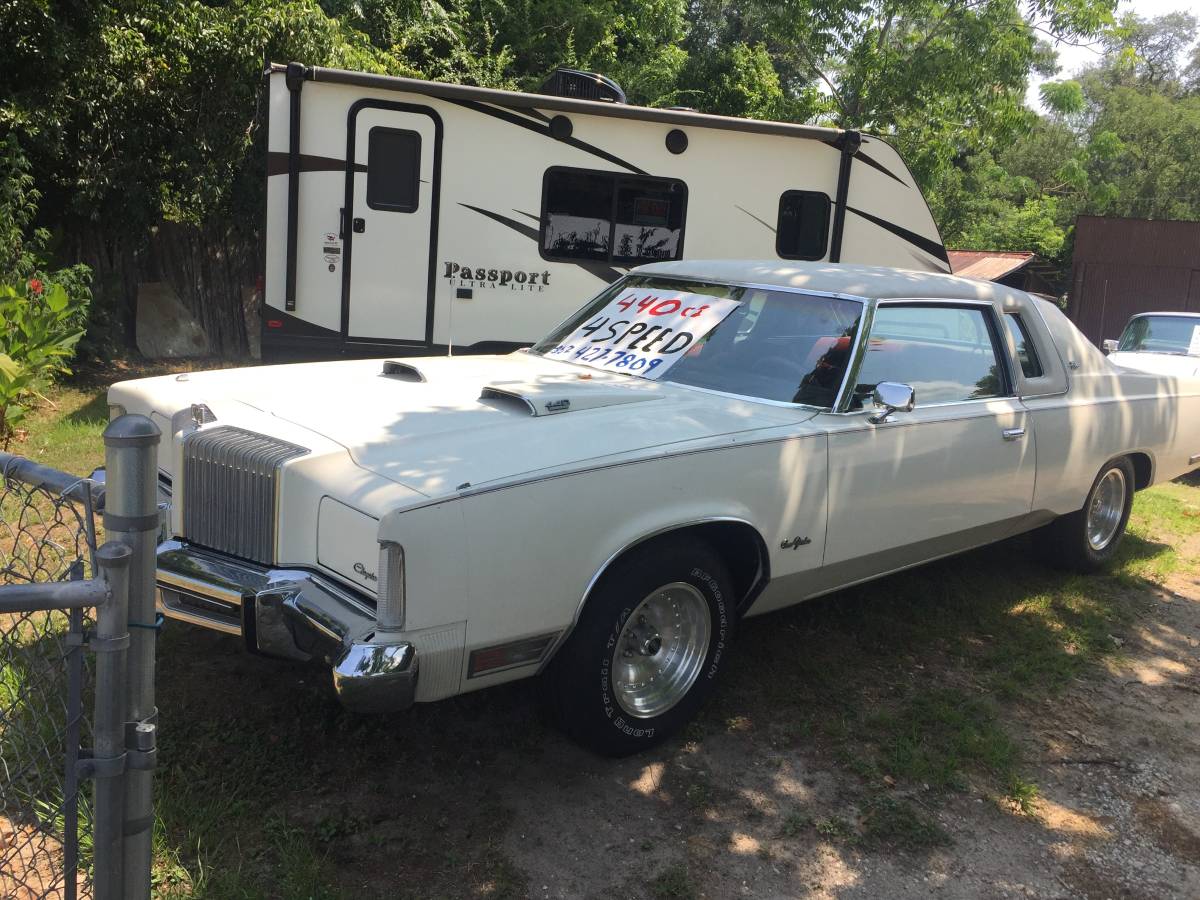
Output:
[[1106, 509], [661, 650]]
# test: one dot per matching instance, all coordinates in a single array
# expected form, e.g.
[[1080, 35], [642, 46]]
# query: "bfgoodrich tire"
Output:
[[1088, 539], [651, 642]]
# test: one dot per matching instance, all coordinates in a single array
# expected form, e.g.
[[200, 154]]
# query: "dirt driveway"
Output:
[[1116, 757], [984, 727]]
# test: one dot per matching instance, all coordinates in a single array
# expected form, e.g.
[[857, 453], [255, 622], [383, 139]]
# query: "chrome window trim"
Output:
[[864, 334], [865, 302], [1010, 341], [783, 404], [943, 405], [1066, 370]]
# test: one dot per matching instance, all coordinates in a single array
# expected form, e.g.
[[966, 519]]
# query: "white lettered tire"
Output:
[[653, 638]]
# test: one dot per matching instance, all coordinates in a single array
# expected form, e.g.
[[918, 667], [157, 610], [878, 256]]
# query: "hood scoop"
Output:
[[402, 371], [551, 397]]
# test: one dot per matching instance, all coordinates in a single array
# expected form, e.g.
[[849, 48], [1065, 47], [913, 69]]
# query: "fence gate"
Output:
[[66, 683]]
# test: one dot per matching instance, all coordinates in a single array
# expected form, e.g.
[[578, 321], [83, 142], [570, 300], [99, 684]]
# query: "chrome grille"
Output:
[[229, 490]]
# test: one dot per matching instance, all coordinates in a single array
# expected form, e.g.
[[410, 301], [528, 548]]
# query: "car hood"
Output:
[[438, 425], [1158, 363]]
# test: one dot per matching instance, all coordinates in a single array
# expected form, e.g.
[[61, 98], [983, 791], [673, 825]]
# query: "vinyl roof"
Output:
[[863, 281]]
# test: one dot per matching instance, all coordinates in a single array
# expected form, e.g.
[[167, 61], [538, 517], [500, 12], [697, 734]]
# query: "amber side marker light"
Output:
[[487, 660]]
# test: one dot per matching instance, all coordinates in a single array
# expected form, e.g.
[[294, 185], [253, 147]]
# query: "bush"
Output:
[[39, 328]]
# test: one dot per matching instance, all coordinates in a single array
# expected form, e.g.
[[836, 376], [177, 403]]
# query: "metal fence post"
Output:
[[110, 641], [131, 516]]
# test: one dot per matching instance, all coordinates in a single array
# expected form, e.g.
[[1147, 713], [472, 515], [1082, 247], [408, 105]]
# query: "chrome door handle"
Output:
[[1013, 434]]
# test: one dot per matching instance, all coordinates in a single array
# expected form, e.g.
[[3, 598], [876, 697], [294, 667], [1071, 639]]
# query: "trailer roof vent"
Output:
[[582, 86]]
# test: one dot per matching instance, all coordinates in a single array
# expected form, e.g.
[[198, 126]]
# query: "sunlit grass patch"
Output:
[[1173, 508]]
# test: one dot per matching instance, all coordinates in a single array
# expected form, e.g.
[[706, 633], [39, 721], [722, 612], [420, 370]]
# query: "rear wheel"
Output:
[[1087, 539], [647, 650]]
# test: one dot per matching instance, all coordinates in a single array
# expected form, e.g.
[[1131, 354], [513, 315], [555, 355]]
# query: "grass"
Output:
[[913, 687], [917, 679], [67, 435], [672, 884]]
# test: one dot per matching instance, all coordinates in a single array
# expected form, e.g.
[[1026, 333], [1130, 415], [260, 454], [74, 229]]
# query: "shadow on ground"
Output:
[[873, 743]]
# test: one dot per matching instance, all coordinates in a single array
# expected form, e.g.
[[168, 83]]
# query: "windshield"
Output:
[[1179, 335], [756, 342]]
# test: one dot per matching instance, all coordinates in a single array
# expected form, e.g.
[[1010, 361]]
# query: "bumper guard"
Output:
[[293, 614]]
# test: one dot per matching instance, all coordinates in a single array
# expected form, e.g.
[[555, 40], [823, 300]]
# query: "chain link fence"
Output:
[[64, 642], [45, 536]]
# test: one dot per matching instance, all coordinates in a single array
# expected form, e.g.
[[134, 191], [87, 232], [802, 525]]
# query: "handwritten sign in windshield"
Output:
[[644, 331]]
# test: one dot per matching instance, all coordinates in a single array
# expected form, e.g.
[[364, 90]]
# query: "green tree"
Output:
[[142, 119], [1118, 140]]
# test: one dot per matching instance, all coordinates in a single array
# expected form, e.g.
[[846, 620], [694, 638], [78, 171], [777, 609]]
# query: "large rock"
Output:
[[165, 329]]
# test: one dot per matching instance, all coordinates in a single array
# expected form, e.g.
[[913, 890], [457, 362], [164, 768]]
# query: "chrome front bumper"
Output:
[[293, 614]]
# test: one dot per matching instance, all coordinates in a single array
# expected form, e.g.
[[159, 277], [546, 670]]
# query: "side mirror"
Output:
[[1110, 346], [891, 396]]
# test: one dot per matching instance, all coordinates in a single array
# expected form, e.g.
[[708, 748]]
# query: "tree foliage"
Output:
[[1118, 140], [142, 119]]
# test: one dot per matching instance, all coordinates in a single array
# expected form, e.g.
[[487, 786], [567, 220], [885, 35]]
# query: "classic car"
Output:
[[703, 441], [1166, 343]]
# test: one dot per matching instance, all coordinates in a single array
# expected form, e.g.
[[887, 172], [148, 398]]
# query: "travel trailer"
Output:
[[408, 216]]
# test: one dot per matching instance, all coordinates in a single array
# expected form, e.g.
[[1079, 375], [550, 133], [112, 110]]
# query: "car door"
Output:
[[390, 221], [956, 471]]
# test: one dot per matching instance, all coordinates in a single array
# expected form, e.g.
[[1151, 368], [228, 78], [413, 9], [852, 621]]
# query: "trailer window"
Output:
[[607, 217], [803, 227], [393, 169]]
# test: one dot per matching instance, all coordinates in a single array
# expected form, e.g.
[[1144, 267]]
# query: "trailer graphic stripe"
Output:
[[527, 111], [544, 131], [929, 246], [876, 165], [277, 163], [924, 260], [766, 225], [527, 230], [606, 273]]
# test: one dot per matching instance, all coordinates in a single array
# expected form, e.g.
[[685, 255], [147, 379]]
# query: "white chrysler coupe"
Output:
[[703, 441]]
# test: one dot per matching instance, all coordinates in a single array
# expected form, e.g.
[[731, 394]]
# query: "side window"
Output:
[[611, 218], [946, 353], [393, 169], [1031, 366], [802, 231]]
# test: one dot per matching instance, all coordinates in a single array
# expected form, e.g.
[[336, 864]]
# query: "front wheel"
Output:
[[646, 652], [1088, 539]]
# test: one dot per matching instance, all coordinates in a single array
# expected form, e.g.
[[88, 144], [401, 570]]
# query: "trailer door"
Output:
[[389, 226]]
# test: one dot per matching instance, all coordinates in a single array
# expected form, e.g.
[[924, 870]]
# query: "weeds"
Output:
[[899, 823]]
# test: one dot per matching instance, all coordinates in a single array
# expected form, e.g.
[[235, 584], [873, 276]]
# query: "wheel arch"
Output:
[[736, 540], [1143, 468]]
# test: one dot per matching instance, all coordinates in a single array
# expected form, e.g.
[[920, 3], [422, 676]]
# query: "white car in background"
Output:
[[1165, 343], [701, 442]]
